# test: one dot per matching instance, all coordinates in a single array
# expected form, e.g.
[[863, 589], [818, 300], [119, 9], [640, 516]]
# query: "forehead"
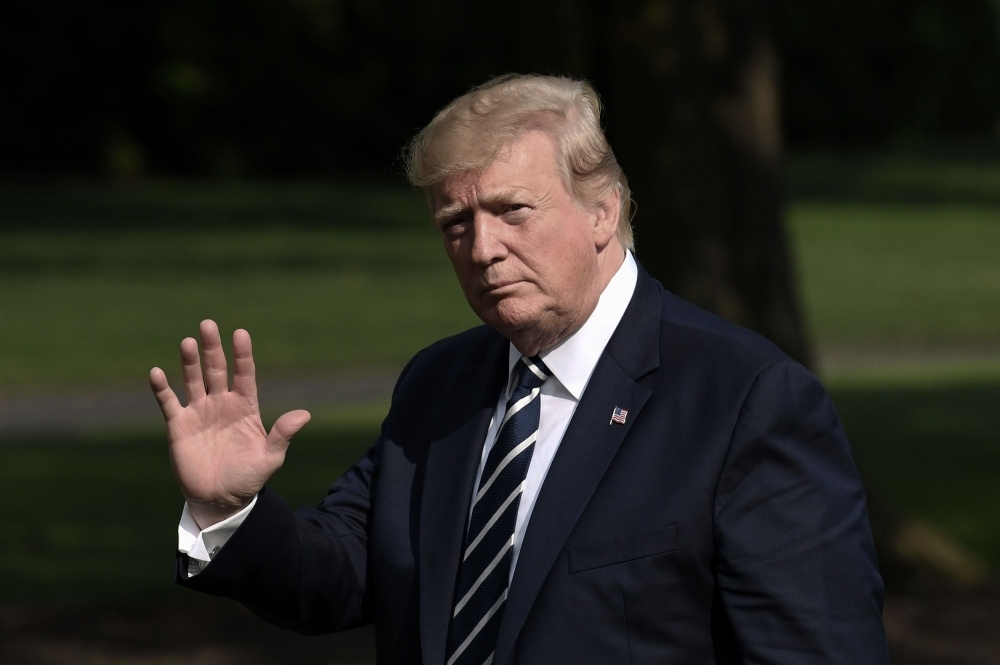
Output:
[[528, 164]]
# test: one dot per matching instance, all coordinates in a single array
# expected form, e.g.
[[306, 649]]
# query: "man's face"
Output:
[[524, 250]]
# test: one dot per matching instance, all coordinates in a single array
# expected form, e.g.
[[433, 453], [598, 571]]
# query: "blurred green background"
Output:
[[166, 162], [902, 295]]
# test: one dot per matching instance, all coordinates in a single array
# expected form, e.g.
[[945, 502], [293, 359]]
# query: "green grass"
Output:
[[102, 306], [945, 175], [892, 272], [99, 283], [84, 308], [934, 451], [97, 516]]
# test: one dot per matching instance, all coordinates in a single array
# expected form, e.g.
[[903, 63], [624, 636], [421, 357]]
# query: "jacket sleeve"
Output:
[[796, 573], [303, 570]]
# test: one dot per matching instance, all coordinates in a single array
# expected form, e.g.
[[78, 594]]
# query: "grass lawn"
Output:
[[98, 284], [106, 304], [933, 450], [97, 517], [883, 273], [65, 531], [81, 308]]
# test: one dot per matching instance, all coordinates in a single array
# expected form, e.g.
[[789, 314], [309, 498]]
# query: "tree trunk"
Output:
[[693, 88]]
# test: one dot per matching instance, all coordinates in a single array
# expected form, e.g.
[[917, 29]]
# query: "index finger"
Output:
[[165, 397]]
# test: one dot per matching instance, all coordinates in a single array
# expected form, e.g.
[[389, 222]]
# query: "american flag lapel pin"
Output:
[[618, 416]]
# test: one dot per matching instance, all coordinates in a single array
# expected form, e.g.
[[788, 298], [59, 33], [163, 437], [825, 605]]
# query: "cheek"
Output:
[[453, 248], [465, 271], [565, 257]]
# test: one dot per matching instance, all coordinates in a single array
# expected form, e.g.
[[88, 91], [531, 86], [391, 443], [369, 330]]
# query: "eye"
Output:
[[454, 227], [515, 207]]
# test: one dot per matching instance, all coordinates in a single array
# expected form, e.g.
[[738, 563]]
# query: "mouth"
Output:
[[497, 288]]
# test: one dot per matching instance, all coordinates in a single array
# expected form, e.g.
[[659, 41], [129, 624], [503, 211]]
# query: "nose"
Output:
[[487, 240]]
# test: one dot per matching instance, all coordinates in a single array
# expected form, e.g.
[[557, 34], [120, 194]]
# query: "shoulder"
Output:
[[685, 332], [466, 349], [710, 356], [764, 387], [717, 333], [718, 346], [445, 361]]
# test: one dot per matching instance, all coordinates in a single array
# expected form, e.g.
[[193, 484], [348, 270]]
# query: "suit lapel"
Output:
[[587, 449], [449, 474]]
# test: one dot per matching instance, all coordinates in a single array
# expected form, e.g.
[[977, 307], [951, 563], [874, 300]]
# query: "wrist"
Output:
[[210, 513]]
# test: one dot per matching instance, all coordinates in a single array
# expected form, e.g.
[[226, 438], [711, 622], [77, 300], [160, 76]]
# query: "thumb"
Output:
[[285, 428]]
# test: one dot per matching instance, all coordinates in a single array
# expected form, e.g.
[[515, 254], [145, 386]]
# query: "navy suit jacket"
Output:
[[724, 522]]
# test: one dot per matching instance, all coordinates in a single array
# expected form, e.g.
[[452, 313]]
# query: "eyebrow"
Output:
[[449, 212]]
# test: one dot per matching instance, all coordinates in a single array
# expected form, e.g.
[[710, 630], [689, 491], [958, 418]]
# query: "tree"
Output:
[[694, 88], [696, 124]]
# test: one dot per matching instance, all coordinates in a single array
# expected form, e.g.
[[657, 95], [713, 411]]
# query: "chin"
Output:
[[509, 315]]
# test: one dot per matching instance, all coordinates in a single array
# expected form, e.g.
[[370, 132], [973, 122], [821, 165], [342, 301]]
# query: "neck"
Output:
[[532, 341]]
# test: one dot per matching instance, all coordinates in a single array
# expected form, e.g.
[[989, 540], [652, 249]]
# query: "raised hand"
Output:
[[220, 452]]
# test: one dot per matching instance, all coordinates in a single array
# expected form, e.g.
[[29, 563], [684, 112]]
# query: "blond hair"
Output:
[[469, 133]]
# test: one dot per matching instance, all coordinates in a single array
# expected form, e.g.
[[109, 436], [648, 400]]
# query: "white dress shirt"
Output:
[[571, 363]]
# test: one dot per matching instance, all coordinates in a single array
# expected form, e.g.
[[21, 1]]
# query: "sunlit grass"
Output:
[[84, 308], [92, 308], [884, 273]]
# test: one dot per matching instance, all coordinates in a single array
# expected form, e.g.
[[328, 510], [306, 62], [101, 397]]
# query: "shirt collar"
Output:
[[573, 360]]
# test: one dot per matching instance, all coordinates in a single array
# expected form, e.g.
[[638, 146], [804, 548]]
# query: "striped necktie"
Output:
[[485, 568]]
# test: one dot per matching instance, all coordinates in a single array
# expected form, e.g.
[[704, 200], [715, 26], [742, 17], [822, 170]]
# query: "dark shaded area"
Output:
[[696, 124], [276, 87], [198, 630], [888, 72], [950, 629], [915, 443], [55, 549], [933, 450], [199, 204]]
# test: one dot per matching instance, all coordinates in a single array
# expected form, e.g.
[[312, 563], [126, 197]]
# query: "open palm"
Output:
[[220, 452]]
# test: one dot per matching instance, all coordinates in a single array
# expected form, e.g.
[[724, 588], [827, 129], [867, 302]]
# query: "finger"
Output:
[[165, 397], [194, 382], [216, 377], [244, 373], [284, 429]]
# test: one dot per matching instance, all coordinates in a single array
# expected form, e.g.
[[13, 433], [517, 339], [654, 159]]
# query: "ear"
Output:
[[606, 219]]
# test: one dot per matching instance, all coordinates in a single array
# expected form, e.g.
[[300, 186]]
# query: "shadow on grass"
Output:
[[200, 204], [96, 517], [193, 630], [87, 528], [946, 175], [935, 452]]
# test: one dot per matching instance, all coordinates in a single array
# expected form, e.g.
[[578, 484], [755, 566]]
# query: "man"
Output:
[[601, 473]]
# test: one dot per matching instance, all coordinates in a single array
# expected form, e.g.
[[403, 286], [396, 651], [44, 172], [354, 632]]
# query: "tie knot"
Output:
[[533, 373]]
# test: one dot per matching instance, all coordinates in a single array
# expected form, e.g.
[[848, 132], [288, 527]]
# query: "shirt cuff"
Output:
[[201, 546]]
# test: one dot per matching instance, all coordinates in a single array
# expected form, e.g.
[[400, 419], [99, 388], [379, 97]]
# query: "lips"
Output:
[[497, 286]]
